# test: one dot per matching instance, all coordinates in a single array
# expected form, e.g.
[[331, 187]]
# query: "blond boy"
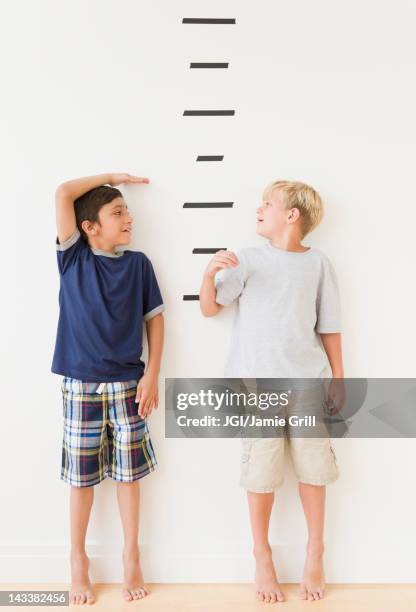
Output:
[[287, 325]]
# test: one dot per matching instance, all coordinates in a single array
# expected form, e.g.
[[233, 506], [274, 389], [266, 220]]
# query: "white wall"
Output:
[[323, 92]]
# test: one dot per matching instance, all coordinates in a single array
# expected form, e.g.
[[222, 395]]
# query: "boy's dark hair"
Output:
[[88, 205]]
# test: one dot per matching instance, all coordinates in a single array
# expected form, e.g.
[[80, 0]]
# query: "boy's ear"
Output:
[[294, 214], [88, 227]]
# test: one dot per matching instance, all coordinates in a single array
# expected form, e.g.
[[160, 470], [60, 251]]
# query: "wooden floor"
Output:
[[240, 598]]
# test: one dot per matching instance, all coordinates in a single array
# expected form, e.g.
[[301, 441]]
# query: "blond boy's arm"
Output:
[[333, 349], [207, 295], [222, 259]]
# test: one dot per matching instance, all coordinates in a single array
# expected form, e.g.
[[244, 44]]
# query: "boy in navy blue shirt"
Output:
[[106, 293]]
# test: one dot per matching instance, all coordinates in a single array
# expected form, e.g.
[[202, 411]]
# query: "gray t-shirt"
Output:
[[285, 300]]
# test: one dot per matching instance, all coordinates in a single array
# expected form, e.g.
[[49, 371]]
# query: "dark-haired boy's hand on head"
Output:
[[123, 177]]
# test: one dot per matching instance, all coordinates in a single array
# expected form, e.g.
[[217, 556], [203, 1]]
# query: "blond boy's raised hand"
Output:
[[222, 259]]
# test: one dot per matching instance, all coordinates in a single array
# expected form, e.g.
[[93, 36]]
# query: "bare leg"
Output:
[[313, 501], [267, 585], [128, 501], [81, 499]]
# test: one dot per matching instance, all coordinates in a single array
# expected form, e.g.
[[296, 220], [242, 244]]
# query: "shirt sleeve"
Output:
[[67, 251], [328, 306], [152, 298], [229, 282]]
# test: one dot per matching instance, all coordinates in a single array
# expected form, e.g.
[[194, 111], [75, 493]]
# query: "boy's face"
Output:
[[116, 222], [272, 217]]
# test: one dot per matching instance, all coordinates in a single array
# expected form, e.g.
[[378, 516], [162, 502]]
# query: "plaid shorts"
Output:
[[103, 433]]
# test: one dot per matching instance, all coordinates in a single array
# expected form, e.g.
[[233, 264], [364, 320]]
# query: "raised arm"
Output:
[[69, 191], [65, 196], [207, 294]]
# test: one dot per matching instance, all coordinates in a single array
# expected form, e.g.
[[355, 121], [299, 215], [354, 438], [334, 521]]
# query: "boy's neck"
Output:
[[99, 246], [288, 243]]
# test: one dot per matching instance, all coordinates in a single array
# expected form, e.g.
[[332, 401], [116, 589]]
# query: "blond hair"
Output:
[[304, 198]]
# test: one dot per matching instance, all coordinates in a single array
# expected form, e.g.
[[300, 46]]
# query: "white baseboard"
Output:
[[37, 562]]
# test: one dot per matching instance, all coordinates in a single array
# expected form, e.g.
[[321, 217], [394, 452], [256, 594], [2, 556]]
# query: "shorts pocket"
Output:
[[333, 454], [71, 385]]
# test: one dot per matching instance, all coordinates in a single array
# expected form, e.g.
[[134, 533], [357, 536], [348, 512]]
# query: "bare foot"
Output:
[[133, 587], [312, 587], [81, 591], [267, 586]]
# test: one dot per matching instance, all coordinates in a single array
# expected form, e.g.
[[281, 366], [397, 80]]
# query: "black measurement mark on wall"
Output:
[[208, 250], [191, 298], [210, 158], [208, 65], [208, 20], [208, 113], [208, 205]]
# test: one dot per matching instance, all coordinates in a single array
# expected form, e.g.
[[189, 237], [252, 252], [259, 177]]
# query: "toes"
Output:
[[260, 595], [316, 594], [135, 594], [139, 593], [270, 596], [311, 593], [280, 596], [127, 595]]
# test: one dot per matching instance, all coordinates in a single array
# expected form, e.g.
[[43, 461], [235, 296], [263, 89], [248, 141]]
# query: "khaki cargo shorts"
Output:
[[313, 458]]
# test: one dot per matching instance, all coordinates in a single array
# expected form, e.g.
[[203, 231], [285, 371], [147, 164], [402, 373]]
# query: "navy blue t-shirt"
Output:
[[104, 299]]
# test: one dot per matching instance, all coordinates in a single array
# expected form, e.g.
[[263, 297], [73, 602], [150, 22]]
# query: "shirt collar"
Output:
[[119, 252]]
